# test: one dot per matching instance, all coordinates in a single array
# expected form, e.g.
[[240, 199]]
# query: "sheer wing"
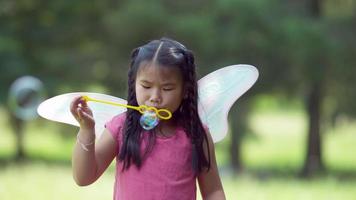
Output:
[[57, 109], [217, 93]]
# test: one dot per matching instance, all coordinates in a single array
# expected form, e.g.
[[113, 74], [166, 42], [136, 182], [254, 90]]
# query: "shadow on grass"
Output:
[[267, 173]]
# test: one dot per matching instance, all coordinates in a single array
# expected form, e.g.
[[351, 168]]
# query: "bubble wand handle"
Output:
[[142, 108]]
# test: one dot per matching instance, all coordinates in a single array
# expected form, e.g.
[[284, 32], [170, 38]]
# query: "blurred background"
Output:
[[292, 136]]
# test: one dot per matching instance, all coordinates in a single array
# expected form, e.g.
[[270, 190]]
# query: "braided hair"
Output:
[[169, 53]]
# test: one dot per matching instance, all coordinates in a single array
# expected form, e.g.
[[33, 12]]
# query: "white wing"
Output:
[[58, 109], [217, 93]]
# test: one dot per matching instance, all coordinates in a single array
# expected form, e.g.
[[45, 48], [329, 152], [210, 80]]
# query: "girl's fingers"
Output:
[[81, 112], [87, 110], [74, 106], [83, 102], [84, 117], [88, 116], [79, 102]]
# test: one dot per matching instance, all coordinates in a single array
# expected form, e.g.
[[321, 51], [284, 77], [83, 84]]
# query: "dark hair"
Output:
[[170, 53]]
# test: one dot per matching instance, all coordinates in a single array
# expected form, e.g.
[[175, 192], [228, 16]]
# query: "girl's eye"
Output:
[[167, 89], [146, 87]]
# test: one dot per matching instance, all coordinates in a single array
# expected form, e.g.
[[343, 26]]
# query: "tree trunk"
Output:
[[315, 8], [18, 127], [238, 124], [313, 161]]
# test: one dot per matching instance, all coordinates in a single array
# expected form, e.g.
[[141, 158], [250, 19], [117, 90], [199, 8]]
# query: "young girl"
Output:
[[162, 163]]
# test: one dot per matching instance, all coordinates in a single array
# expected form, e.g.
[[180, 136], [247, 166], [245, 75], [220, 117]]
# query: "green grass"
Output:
[[248, 187], [43, 181], [272, 155]]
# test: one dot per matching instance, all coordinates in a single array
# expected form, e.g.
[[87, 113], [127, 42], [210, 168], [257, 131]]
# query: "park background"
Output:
[[292, 136]]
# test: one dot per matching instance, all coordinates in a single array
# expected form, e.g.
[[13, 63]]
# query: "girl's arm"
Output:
[[209, 181], [89, 165], [90, 158]]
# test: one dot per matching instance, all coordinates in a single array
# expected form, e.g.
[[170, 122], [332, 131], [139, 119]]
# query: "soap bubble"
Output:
[[149, 120], [25, 94]]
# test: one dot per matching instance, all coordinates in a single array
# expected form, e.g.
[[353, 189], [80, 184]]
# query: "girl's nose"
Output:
[[155, 98], [155, 101]]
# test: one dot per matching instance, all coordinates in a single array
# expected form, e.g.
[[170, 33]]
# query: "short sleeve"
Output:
[[115, 126]]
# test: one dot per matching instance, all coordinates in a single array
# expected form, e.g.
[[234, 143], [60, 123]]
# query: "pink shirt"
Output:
[[165, 174]]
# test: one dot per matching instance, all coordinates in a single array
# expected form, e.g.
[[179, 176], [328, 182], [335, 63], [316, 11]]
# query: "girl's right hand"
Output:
[[82, 113]]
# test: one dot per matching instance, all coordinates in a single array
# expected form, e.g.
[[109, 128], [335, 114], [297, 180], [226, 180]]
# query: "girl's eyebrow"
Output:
[[168, 84], [164, 84], [144, 81]]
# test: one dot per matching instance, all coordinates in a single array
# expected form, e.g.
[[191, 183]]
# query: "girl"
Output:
[[162, 163]]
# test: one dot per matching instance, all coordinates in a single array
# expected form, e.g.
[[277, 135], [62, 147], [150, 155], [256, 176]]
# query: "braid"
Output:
[[132, 131], [194, 126]]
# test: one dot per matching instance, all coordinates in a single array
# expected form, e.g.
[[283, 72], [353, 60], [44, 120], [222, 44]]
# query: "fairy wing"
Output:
[[58, 109], [217, 93]]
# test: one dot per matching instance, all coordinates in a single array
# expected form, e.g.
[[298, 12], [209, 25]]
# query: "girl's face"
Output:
[[159, 86]]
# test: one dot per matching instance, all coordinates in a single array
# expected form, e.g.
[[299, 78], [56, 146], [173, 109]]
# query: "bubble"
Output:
[[25, 94], [149, 120]]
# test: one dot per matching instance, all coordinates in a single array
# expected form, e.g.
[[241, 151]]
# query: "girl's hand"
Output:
[[82, 113]]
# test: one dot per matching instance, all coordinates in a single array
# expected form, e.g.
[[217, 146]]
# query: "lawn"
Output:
[[44, 181], [272, 155]]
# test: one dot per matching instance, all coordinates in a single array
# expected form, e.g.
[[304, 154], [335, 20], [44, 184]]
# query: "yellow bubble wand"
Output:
[[142, 108]]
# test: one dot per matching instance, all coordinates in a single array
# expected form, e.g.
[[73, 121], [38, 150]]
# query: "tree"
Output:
[[320, 69], [40, 38]]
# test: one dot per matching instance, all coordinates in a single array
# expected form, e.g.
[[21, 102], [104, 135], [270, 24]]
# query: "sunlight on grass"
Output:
[[41, 181], [40, 142], [247, 187], [277, 140], [340, 146]]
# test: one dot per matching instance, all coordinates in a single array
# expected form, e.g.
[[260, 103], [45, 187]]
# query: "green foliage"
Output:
[[72, 45], [81, 45]]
